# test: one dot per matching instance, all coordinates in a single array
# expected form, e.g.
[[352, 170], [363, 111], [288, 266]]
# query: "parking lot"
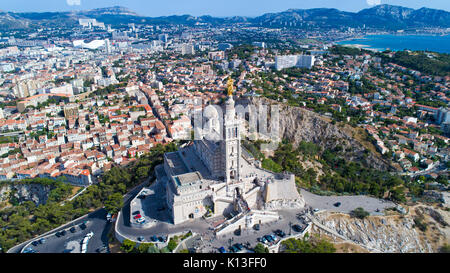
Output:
[[250, 237], [347, 203], [68, 240], [148, 207], [289, 222]]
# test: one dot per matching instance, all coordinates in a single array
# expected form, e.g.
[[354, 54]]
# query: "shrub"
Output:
[[359, 213]]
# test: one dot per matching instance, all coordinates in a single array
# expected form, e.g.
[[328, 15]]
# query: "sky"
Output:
[[218, 8]]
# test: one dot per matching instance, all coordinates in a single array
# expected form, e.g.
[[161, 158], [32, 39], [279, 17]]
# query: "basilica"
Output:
[[215, 176]]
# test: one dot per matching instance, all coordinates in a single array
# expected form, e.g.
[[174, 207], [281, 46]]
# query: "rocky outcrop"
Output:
[[22, 192], [298, 124], [390, 234]]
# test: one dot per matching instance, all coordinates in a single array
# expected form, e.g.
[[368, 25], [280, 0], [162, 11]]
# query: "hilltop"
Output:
[[386, 17]]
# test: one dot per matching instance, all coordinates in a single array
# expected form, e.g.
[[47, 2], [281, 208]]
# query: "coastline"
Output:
[[380, 42]]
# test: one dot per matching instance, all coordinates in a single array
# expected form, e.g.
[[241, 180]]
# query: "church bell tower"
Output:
[[232, 147]]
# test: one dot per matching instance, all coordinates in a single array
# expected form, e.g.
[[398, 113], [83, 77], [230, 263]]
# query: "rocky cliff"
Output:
[[298, 124], [36, 193], [394, 233]]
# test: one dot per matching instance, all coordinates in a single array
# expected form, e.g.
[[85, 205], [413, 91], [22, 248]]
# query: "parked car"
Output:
[[262, 240], [239, 246], [137, 216], [136, 212], [222, 250], [73, 229], [256, 227], [337, 204], [154, 238], [83, 225], [29, 250], [233, 249], [141, 220], [297, 228], [63, 233], [141, 238], [268, 238], [35, 243], [102, 249], [280, 233], [42, 240]]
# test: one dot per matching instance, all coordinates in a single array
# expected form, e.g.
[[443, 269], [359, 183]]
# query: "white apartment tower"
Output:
[[107, 46]]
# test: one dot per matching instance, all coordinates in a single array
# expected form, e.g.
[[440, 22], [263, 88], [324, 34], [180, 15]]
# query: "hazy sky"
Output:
[[211, 7]]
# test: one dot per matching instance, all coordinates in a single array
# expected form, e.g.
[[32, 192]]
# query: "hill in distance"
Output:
[[381, 17]]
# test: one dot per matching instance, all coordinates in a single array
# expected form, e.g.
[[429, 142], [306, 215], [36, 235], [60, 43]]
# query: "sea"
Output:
[[392, 42]]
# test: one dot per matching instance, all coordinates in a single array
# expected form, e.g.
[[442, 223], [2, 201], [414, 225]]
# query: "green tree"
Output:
[[270, 165], [172, 244], [260, 248], [143, 248], [445, 249], [114, 203], [359, 213], [128, 246]]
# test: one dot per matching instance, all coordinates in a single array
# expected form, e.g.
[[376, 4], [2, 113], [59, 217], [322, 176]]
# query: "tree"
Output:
[[128, 245], [359, 213], [153, 249], [445, 249], [260, 248], [270, 165], [323, 246], [308, 245], [114, 203], [144, 247], [172, 244]]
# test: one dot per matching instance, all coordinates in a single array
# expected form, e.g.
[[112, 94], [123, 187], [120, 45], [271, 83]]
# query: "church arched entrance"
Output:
[[233, 174], [238, 191]]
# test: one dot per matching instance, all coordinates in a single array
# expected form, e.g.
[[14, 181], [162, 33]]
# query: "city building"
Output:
[[211, 174], [300, 61]]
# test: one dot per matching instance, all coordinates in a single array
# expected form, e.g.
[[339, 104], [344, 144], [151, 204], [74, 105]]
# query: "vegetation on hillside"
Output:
[[437, 64], [308, 245], [340, 175], [25, 221]]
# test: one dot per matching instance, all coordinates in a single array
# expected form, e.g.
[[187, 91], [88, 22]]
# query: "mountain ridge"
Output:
[[382, 17]]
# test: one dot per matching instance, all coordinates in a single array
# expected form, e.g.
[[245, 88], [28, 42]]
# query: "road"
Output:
[[96, 222], [436, 169], [162, 227], [348, 203]]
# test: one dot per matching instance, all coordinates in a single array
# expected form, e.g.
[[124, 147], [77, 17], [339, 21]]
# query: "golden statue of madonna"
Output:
[[230, 86]]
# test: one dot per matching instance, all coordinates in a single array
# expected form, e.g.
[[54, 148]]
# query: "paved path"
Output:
[[348, 203], [98, 224]]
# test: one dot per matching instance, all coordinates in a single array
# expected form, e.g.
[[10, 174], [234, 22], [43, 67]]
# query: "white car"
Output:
[[141, 220]]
